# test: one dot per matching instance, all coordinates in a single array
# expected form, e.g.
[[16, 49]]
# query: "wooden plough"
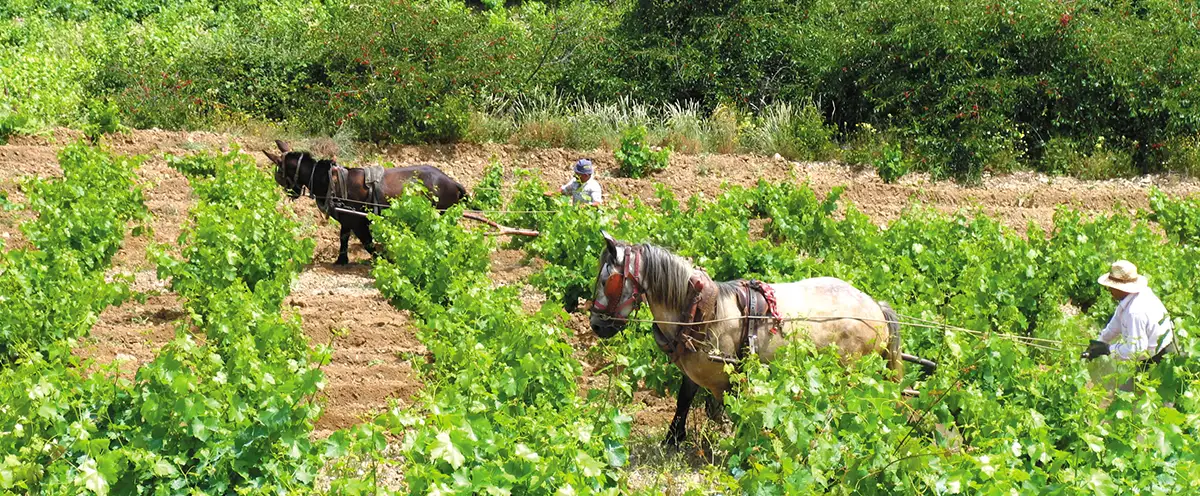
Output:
[[500, 230]]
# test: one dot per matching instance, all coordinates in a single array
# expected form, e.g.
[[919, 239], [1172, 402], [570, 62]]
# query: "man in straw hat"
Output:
[[583, 189], [1140, 328]]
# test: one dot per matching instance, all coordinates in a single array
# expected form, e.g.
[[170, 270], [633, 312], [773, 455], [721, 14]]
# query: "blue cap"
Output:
[[584, 166]]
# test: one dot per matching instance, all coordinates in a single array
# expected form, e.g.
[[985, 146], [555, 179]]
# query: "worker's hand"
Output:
[[1095, 349], [550, 193]]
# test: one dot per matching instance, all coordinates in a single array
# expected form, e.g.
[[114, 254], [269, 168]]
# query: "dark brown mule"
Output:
[[295, 171]]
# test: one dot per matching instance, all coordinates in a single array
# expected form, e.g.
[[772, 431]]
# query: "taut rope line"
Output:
[[1040, 343]]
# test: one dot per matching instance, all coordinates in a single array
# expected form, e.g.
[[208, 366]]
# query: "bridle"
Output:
[[296, 184], [614, 286]]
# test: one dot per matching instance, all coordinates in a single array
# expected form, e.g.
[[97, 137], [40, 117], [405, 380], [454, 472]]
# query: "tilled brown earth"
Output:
[[373, 342]]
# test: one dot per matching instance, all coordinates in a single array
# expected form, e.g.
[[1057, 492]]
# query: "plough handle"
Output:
[[928, 367]]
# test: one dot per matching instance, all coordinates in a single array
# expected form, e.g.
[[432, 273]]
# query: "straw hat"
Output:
[[1123, 276]]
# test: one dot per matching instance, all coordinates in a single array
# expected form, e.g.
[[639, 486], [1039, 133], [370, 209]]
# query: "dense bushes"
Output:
[[501, 412], [636, 158], [962, 88], [972, 85]]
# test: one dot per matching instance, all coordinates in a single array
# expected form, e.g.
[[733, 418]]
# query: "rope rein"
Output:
[[1033, 342], [498, 211], [296, 183]]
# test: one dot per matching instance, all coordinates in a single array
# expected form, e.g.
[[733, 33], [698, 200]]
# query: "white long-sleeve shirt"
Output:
[[1136, 326], [588, 192]]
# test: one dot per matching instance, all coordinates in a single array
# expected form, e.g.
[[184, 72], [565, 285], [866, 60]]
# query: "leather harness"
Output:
[[339, 184], [755, 299]]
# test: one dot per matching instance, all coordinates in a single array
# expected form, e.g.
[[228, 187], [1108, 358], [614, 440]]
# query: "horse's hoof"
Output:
[[673, 440], [342, 261], [714, 410], [715, 414]]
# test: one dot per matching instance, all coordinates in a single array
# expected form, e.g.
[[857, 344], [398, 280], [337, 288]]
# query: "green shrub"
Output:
[[869, 147], [88, 211], [636, 157], [424, 251], [417, 84], [1102, 162], [1059, 156], [965, 147], [103, 118], [977, 83], [54, 291], [193, 166], [488, 194], [12, 124], [48, 65], [1179, 217], [891, 164], [794, 132], [1099, 161], [237, 202]]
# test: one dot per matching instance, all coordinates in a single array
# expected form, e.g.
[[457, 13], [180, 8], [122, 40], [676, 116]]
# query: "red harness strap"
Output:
[[750, 310], [772, 307]]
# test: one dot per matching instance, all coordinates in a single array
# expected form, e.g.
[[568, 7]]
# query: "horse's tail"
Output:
[[894, 355]]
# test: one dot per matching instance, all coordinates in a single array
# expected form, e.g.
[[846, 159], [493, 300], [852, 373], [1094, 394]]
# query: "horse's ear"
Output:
[[274, 158], [283, 146], [612, 243]]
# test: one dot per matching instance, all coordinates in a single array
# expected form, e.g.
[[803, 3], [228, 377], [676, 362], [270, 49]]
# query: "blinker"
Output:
[[614, 287]]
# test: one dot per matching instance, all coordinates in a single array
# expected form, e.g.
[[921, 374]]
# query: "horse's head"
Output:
[[287, 168], [618, 287]]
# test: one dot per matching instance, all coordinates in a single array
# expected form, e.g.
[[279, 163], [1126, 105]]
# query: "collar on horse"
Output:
[[338, 177], [702, 297]]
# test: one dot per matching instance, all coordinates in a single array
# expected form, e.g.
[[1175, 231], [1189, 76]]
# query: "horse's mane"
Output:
[[306, 157], [666, 275]]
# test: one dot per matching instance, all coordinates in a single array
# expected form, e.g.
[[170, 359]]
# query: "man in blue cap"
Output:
[[583, 189]]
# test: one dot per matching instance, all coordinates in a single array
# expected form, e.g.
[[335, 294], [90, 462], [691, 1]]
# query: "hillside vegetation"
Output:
[[1089, 88]]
